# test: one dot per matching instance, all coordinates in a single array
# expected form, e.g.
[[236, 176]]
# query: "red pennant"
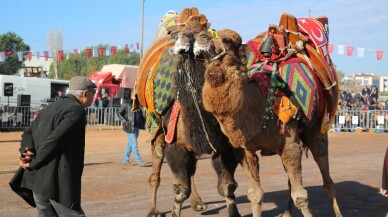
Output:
[[100, 51], [137, 45], [8, 53], [349, 50], [379, 54], [88, 53], [76, 53], [60, 55], [46, 54], [114, 50], [126, 48], [29, 55], [330, 47]]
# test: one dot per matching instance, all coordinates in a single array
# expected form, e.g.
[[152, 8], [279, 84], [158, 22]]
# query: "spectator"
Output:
[[59, 95], [53, 149], [374, 94], [132, 122], [384, 185], [365, 91]]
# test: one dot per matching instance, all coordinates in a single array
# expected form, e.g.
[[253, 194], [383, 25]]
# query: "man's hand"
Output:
[[384, 192], [26, 158]]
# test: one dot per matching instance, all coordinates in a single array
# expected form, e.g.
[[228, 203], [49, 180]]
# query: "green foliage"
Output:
[[85, 66], [14, 43]]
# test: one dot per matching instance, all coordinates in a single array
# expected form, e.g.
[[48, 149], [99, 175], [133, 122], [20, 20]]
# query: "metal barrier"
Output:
[[371, 120], [19, 117]]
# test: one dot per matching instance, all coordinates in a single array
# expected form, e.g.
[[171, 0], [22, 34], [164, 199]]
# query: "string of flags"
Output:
[[62, 54], [350, 50], [112, 51]]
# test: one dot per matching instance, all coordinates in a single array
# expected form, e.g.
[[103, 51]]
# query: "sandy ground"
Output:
[[111, 189]]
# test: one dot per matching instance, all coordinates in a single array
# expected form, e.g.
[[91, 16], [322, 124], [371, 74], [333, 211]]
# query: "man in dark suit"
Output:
[[53, 151]]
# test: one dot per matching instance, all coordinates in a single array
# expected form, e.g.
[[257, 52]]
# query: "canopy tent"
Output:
[[125, 73]]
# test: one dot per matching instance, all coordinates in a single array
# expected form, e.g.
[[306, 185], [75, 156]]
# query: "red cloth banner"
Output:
[[137, 45], [126, 48], [76, 53], [88, 53], [114, 50], [330, 47], [8, 53], [45, 54], [379, 54], [29, 55], [349, 50], [60, 55], [100, 51]]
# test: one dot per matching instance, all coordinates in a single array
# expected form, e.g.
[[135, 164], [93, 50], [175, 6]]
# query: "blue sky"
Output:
[[117, 22]]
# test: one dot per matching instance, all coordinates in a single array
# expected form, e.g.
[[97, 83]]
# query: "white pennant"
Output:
[[107, 51], [37, 54], [67, 54], [341, 49], [95, 52], [360, 52], [2, 56], [20, 56]]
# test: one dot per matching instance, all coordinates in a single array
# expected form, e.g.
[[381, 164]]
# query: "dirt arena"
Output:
[[111, 189]]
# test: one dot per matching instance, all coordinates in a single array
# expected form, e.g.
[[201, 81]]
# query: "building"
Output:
[[359, 80], [36, 67]]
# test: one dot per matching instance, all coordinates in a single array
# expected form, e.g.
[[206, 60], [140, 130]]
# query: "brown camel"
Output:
[[240, 107], [195, 130]]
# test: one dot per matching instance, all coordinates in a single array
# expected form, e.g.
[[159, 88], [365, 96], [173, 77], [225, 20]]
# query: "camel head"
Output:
[[185, 38], [204, 44], [228, 60]]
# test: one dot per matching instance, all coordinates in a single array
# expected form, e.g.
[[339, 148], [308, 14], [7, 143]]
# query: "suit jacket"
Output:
[[58, 137]]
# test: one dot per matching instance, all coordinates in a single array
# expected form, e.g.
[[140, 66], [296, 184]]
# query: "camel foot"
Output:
[[155, 213], [198, 205], [233, 211]]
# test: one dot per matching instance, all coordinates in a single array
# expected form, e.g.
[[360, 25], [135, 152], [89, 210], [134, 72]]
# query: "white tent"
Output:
[[126, 73]]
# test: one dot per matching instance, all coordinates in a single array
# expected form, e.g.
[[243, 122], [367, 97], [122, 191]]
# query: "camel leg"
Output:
[[154, 179], [182, 164], [290, 202], [195, 200], [250, 164], [318, 146], [291, 158], [225, 165]]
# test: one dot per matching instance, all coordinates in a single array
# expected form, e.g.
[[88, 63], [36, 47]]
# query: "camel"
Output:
[[192, 137], [240, 107]]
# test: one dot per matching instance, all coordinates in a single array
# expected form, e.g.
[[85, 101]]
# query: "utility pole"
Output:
[[142, 28]]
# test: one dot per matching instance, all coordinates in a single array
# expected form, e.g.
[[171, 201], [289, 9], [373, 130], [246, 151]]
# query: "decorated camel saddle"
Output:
[[154, 83], [298, 72]]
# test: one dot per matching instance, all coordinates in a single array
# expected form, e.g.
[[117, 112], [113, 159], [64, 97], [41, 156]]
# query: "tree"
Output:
[[12, 43], [55, 41], [83, 66]]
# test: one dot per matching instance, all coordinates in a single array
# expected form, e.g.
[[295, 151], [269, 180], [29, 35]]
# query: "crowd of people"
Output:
[[366, 99]]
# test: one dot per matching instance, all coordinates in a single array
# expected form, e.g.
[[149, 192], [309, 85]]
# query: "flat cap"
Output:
[[81, 83]]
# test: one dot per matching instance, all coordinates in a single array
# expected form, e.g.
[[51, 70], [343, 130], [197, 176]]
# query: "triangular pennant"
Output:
[[132, 48], [137, 45], [360, 52], [37, 54], [95, 52], [67, 54], [46, 54], [107, 51], [349, 50], [341, 49], [126, 48], [114, 50], [330, 47], [88, 53], [379, 54], [29, 55], [2, 56], [101, 51], [60, 55], [76, 53], [20, 56]]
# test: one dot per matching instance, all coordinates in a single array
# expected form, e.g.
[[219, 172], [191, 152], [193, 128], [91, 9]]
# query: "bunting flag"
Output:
[[114, 50], [76, 53], [132, 48], [349, 50], [67, 54], [137, 46], [46, 54], [330, 47], [107, 51], [360, 52], [60, 55], [379, 54], [341, 49], [2, 56], [29, 55], [88, 53], [8, 53], [95, 52], [20, 56], [126, 48], [37, 54], [100, 51]]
